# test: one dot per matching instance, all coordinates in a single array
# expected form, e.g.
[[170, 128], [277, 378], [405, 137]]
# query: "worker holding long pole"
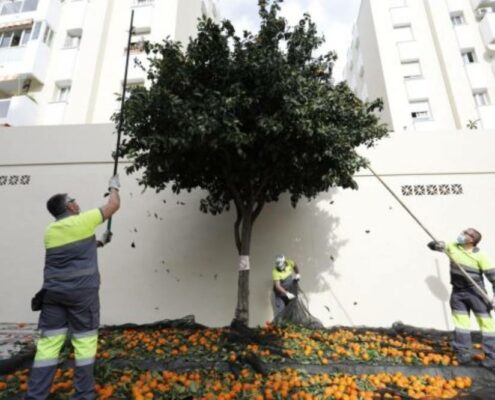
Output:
[[465, 299], [69, 300], [467, 267]]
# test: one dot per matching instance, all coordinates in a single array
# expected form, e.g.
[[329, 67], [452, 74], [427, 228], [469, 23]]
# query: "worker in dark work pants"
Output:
[[69, 297], [284, 275], [465, 297]]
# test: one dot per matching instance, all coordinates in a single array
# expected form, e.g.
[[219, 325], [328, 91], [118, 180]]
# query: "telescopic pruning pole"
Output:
[[121, 116], [478, 288]]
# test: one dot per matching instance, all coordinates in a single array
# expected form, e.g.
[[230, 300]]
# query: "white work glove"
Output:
[[114, 182], [289, 295], [297, 277], [105, 238]]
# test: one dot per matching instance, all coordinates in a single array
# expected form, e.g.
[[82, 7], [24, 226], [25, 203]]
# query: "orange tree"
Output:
[[246, 118]]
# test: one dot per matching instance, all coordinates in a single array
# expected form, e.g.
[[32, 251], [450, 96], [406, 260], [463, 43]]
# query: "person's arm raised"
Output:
[[113, 203]]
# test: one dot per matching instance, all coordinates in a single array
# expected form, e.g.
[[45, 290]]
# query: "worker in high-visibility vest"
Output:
[[69, 300], [466, 299], [284, 275]]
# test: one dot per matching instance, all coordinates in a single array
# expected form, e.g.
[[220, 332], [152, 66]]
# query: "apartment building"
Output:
[[432, 62], [62, 62]]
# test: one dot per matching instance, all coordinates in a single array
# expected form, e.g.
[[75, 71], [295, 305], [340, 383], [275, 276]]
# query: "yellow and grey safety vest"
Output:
[[286, 276], [474, 262], [71, 261]]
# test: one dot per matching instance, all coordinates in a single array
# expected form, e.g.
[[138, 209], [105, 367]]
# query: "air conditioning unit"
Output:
[[480, 13]]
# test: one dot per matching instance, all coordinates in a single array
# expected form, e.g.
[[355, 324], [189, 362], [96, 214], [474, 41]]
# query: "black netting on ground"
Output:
[[237, 338], [296, 311]]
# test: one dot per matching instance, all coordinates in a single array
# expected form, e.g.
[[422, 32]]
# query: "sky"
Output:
[[334, 19]]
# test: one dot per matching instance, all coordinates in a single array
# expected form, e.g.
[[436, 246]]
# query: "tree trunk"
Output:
[[243, 241]]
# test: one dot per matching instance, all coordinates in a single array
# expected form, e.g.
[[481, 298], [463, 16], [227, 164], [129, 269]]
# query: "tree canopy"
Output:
[[246, 117]]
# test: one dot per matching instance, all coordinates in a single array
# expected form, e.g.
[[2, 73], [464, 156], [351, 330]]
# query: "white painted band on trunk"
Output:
[[243, 263]]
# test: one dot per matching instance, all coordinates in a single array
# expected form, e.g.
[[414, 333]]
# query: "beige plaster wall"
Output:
[[363, 259]]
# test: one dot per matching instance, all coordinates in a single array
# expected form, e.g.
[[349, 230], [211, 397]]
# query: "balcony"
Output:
[[455, 5], [482, 3], [417, 89], [65, 63], [426, 125], [465, 36], [487, 29], [400, 16], [143, 16], [17, 12], [408, 51], [18, 111], [135, 72], [74, 14], [478, 75], [23, 62]]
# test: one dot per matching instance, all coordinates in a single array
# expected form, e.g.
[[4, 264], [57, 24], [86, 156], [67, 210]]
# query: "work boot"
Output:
[[488, 363], [464, 358]]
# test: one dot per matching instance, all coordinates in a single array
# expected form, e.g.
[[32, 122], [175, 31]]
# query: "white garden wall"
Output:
[[363, 259]]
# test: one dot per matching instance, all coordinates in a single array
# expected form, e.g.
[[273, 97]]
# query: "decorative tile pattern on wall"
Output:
[[432, 190], [15, 180]]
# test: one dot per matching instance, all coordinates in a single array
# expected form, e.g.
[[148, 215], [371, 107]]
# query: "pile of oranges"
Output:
[[282, 345], [295, 344], [247, 385]]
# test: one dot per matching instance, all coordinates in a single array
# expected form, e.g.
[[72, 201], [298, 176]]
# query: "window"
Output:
[[131, 86], [15, 38], [48, 36], [138, 41], [397, 3], [73, 39], [5, 39], [457, 19], [481, 98], [36, 30], [403, 33], [411, 69], [469, 56], [30, 5], [62, 92], [15, 7], [11, 7], [26, 34], [420, 110]]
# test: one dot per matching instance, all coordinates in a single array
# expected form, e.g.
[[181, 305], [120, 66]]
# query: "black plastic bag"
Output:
[[37, 300]]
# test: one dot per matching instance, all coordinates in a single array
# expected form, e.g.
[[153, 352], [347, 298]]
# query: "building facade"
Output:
[[431, 61], [62, 62]]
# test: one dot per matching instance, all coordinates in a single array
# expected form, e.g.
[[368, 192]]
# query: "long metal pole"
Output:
[[122, 101], [478, 288]]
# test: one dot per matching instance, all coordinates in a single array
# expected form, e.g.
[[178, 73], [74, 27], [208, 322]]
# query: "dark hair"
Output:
[[476, 236], [56, 204]]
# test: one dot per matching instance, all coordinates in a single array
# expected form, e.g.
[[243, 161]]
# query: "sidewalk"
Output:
[[13, 337]]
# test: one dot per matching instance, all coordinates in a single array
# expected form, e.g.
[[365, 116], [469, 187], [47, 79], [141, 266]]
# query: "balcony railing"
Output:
[[17, 7], [12, 54]]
